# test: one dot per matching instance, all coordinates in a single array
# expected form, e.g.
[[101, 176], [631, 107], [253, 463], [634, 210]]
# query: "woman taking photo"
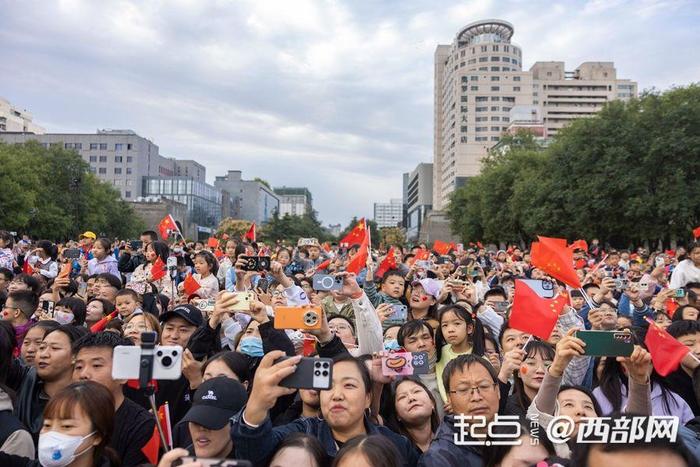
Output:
[[344, 409], [78, 422]]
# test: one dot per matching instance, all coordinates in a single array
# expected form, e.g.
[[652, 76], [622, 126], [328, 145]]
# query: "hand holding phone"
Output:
[[606, 343], [310, 373]]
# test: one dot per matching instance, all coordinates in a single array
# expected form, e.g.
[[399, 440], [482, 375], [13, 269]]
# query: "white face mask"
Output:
[[58, 450], [62, 317]]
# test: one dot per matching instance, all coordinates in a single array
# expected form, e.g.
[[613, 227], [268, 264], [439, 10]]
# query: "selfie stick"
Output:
[[145, 376]]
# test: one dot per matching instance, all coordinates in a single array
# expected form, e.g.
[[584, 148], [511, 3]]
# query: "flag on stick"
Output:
[[666, 352], [533, 314]]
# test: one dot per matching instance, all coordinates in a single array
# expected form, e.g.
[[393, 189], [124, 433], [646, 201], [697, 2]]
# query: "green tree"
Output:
[[291, 228]]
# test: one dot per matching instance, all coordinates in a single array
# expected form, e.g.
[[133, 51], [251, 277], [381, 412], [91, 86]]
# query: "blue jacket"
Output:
[[258, 444], [443, 451]]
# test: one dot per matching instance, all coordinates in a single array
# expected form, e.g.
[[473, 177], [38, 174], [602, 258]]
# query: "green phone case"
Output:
[[607, 343]]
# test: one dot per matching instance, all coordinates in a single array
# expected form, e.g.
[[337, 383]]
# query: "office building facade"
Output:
[[252, 200], [13, 119], [418, 186], [479, 79], [388, 214], [294, 201]]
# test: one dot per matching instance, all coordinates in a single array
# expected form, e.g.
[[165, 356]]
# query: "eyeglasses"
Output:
[[136, 327], [481, 389]]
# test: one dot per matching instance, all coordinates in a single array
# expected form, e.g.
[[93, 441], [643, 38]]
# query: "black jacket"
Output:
[[31, 398], [444, 452], [129, 263]]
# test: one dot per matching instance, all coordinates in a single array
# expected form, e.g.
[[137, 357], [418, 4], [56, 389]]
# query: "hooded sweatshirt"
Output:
[[108, 264]]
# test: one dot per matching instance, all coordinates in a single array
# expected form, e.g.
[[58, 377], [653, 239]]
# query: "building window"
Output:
[[481, 138], [549, 73], [464, 98], [93, 158], [484, 68], [494, 108], [495, 59], [481, 98], [506, 109], [506, 48], [495, 88], [516, 78], [93, 145], [495, 138], [495, 98], [495, 48], [128, 170], [482, 109], [473, 78], [471, 61], [482, 128], [483, 59], [93, 170], [495, 119], [514, 62], [127, 194], [506, 119], [484, 48], [103, 158], [495, 68], [475, 88], [464, 79], [463, 129], [495, 128], [118, 159], [102, 170], [78, 146], [495, 78], [506, 59], [103, 146], [118, 170], [516, 88], [119, 147], [128, 147], [128, 182], [129, 159], [117, 182], [68, 146]]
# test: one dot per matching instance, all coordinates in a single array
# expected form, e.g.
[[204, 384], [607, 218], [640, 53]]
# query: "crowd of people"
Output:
[[66, 308]]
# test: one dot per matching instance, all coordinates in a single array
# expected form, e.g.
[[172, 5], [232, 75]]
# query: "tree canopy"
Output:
[[51, 193], [627, 175]]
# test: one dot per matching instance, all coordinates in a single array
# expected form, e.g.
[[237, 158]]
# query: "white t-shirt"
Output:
[[685, 272]]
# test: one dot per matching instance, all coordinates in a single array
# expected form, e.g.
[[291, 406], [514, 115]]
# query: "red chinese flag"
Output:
[[553, 257], [166, 226], [158, 269], [387, 263], [671, 307], [355, 236], [442, 248], [190, 285], [250, 234], [219, 254], [666, 352], [151, 448], [309, 345], [212, 242], [359, 260], [26, 267], [579, 245], [323, 265], [533, 314], [326, 247], [165, 425], [422, 255], [696, 232], [102, 324]]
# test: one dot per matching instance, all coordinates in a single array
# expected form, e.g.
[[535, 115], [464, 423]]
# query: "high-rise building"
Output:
[[479, 79], [294, 201], [119, 157], [252, 200], [388, 214], [190, 168], [418, 186], [16, 120], [567, 95]]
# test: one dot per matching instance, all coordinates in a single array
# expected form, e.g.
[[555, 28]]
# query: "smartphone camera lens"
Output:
[[159, 353], [325, 364], [317, 373], [166, 361], [325, 373]]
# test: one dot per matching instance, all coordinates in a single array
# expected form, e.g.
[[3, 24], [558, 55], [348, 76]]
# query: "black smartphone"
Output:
[[256, 263], [311, 373], [136, 244], [71, 253]]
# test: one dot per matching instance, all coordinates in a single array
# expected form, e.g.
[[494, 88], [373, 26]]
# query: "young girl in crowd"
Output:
[[97, 309], [459, 333], [43, 259], [7, 242], [528, 378], [143, 274], [206, 266], [103, 261]]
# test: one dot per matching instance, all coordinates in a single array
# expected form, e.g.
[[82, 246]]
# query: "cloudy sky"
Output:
[[332, 95]]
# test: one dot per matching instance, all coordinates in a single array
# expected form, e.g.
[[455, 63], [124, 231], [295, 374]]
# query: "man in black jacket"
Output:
[[130, 258]]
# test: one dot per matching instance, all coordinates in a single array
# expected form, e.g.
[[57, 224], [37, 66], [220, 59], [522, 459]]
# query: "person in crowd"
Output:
[[18, 310], [96, 309], [106, 286], [368, 451], [214, 403], [70, 310], [137, 323], [7, 257], [142, 279], [25, 282], [415, 413], [78, 424], [343, 407], [133, 425], [687, 270], [423, 301], [102, 262], [33, 339], [529, 376], [299, 450], [391, 290], [43, 259], [459, 333], [14, 438], [130, 258], [127, 302], [685, 381]]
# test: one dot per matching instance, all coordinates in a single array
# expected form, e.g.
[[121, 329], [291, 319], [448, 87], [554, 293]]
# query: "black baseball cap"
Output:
[[189, 313], [215, 402]]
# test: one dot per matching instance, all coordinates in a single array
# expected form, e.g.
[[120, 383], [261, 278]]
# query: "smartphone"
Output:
[[66, 268], [82, 289], [424, 264], [206, 462], [311, 373], [405, 364], [72, 253], [136, 244], [327, 282], [606, 343], [399, 316], [167, 362], [256, 263], [622, 284], [244, 299], [206, 305], [501, 307], [544, 289], [659, 261], [298, 317], [48, 306], [679, 293]]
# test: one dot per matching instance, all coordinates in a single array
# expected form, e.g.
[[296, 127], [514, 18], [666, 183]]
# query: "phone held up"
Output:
[[298, 317], [167, 359], [607, 343], [256, 263], [311, 373], [405, 364]]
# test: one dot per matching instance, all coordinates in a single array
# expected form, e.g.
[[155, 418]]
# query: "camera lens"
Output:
[[325, 364], [317, 364], [317, 373], [325, 373], [159, 353], [166, 361]]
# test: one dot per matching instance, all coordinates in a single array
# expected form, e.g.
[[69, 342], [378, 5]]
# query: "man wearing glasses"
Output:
[[472, 391]]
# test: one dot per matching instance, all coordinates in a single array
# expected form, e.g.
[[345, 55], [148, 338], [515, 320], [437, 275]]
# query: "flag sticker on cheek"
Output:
[[523, 370]]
